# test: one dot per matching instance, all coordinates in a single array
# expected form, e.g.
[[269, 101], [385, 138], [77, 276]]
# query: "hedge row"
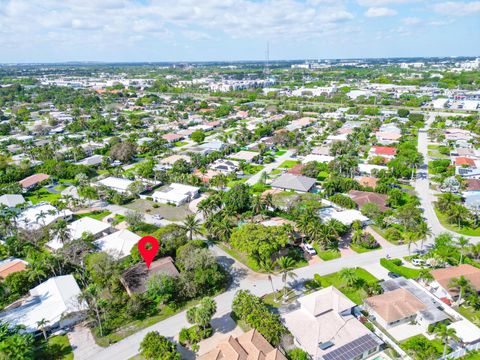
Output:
[[391, 265]]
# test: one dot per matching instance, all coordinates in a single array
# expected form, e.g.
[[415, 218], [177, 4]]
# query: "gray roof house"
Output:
[[294, 182], [11, 200]]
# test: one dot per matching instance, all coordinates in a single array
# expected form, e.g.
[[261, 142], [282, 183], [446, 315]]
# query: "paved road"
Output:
[[270, 167], [243, 279], [422, 187]]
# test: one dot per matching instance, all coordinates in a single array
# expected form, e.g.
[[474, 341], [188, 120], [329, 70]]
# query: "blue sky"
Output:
[[202, 30]]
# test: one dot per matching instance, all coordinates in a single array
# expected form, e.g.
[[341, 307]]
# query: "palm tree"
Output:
[[349, 275], [286, 266], [409, 238], [462, 285], [424, 232], [268, 201], [357, 236], [61, 230], [256, 206], [41, 216], [41, 326], [191, 225], [462, 243], [425, 275], [445, 334]]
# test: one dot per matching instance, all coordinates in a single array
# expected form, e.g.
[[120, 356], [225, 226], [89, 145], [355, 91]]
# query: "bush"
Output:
[[297, 354], [193, 335]]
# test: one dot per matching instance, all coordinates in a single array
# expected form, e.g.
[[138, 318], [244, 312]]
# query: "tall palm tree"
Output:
[[41, 216], [191, 226], [409, 238], [256, 206], [463, 244], [445, 334], [61, 231], [286, 266], [463, 285], [41, 324], [424, 232]]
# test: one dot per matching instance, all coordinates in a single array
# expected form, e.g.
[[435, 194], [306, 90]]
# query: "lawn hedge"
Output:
[[392, 265]]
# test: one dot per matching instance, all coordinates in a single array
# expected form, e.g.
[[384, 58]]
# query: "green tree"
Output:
[[157, 347], [202, 314], [445, 334], [462, 285], [191, 226], [41, 325], [286, 266], [198, 136]]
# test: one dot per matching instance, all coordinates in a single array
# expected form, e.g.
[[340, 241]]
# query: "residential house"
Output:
[[246, 156], [225, 167], [11, 200], [118, 244], [367, 181], [440, 286], [84, 225], [364, 197], [120, 185], [33, 180], [387, 152], [167, 163], [325, 326], [41, 215], [55, 300], [295, 183], [171, 138], [135, 278], [387, 138], [404, 301], [317, 158], [93, 160], [11, 265], [176, 194], [249, 346]]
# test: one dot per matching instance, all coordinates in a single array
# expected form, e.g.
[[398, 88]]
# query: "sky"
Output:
[[214, 30]]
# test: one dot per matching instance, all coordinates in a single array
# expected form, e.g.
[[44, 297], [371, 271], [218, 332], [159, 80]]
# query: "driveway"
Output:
[[270, 167], [83, 344]]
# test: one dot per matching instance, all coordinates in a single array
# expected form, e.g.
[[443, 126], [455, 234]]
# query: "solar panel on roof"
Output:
[[353, 349]]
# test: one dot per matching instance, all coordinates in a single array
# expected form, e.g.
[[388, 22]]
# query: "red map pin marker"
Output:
[[148, 254]]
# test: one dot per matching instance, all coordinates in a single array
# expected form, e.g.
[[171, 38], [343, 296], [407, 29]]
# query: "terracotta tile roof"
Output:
[[33, 180], [460, 160], [363, 197], [249, 346], [473, 184], [172, 137], [444, 276], [395, 305], [12, 267], [384, 150]]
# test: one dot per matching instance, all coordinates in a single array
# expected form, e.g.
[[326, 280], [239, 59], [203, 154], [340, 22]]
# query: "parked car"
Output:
[[418, 262], [393, 275], [157, 217], [309, 249]]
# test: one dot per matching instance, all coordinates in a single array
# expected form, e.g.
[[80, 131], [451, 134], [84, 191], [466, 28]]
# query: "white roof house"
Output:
[[118, 184], [317, 158], [347, 217], [11, 200], [466, 331], [91, 161], [326, 328], [119, 244], [41, 215], [79, 227], [55, 300], [176, 194]]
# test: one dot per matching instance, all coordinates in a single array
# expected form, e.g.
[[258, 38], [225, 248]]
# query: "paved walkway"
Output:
[[270, 167], [83, 344]]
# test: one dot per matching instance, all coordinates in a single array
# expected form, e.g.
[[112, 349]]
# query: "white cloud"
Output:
[[383, 2], [457, 8], [411, 21], [380, 12]]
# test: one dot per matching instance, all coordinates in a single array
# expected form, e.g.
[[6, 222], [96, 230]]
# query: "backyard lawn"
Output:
[[470, 313], [326, 255], [288, 164], [354, 293], [42, 194], [180, 143], [418, 346], [56, 348], [97, 215], [169, 212], [360, 249], [465, 230]]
